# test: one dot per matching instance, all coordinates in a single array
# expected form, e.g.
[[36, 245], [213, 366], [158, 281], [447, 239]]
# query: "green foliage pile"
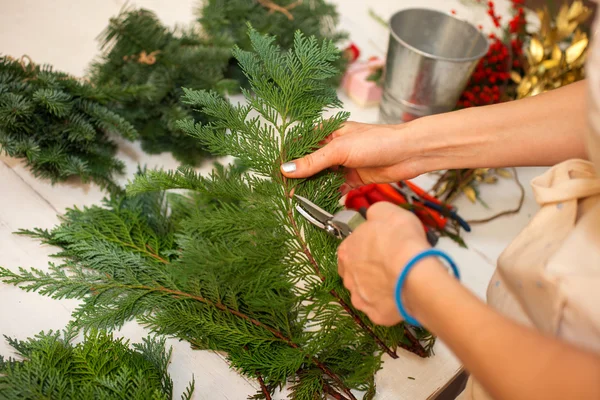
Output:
[[50, 366], [228, 264], [155, 62], [279, 18], [59, 124]]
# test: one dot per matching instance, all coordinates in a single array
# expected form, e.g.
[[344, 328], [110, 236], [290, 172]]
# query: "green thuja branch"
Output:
[[117, 283], [289, 94], [100, 367], [58, 125]]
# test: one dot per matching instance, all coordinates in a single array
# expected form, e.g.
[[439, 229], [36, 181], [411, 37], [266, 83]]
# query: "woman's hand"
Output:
[[372, 257], [370, 154], [541, 130]]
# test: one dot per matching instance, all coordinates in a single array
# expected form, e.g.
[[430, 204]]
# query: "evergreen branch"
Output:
[[50, 286], [100, 367], [58, 125], [150, 63], [253, 321], [335, 295]]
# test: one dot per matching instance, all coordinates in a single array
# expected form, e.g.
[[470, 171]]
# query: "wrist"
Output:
[[447, 141], [418, 286]]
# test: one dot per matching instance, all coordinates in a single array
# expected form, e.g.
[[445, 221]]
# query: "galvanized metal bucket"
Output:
[[431, 56]]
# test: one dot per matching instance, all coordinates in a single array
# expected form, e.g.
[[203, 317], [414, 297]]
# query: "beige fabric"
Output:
[[549, 276]]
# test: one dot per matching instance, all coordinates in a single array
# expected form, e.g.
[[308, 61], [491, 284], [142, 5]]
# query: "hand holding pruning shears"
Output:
[[364, 261], [434, 215]]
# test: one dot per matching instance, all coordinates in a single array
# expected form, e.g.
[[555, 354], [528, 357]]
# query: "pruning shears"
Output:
[[440, 212], [340, 224]]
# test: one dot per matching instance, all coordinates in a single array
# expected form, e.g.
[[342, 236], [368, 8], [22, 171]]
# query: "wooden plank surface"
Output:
[[62, 32]]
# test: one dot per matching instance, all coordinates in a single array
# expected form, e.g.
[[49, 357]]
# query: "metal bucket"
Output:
[[431, 56]]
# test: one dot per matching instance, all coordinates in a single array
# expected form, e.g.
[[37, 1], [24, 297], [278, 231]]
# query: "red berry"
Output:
[[352, 52]]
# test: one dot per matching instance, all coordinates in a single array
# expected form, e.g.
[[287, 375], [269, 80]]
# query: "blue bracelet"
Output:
[[404, 274]]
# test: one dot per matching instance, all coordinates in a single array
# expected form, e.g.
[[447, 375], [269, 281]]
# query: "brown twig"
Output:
[[416, 347], [440, 181], [464, 181], [333, 393], [155, 255], [263, 387], [143, 57], [274, 7], [21, 61], [506, 212]]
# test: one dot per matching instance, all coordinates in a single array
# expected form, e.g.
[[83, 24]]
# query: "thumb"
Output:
[[309, 165]]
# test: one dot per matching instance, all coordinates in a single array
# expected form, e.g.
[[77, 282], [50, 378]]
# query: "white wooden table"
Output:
[[62, 33]]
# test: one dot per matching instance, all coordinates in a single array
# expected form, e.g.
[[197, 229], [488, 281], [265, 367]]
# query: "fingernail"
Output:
[[289, 167]]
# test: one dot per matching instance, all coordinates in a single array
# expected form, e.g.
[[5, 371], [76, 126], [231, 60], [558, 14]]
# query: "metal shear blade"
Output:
[[312, 212], [339, 225]]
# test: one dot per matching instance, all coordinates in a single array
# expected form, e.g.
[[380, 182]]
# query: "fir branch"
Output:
[[58, 124], [150, 63], [227, 19]]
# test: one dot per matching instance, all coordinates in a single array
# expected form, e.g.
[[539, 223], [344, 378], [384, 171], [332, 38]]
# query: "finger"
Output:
[[382, 318], [361, 292], [353, 178], [321, 159]]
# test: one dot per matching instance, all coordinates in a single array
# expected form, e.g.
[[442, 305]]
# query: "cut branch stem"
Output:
[[263, 387]]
